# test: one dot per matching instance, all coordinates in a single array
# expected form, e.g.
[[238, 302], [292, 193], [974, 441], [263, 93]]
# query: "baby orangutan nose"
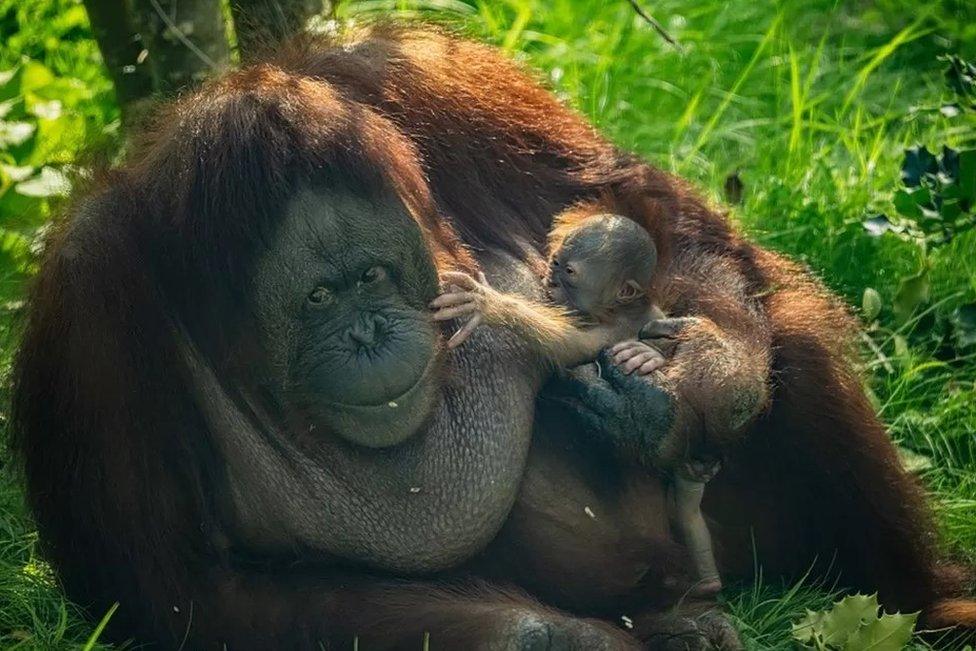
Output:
[[368, 330]]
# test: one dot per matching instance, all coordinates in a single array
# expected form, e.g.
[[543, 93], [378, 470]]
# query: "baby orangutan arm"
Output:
[[550, 330]]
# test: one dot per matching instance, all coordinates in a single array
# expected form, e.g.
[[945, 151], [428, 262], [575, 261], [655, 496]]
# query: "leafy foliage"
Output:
[[853, 624], [961, 77]]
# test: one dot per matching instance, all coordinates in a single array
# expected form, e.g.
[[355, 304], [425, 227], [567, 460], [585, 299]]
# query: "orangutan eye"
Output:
[[373, 274], [570, 270], [319, 296]]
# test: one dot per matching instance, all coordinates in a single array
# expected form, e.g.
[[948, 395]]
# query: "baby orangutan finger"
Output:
[[623, 345], [628, 350], [638, 361], [465, 331], [651, 365], [447, 313], [452, 298], [459, 278]]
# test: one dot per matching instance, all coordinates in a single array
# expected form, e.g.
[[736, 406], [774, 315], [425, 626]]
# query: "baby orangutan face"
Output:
[[602, 266]]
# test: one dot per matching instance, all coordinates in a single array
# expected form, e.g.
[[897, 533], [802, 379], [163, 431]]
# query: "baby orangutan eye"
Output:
[[319, 296], [374, 274]]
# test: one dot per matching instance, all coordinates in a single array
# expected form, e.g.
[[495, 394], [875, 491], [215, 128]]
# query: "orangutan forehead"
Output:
[[620, 246]]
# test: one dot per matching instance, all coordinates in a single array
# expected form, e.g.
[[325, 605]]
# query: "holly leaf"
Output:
[[886, 633], [809, 630], [847, 616]]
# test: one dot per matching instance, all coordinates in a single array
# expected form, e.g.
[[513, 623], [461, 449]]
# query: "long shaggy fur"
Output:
[[120, 471]]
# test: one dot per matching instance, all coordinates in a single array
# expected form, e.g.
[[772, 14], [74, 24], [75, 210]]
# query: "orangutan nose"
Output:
[[368, 329]]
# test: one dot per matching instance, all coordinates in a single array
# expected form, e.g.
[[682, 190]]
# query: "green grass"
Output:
[[812, 102]]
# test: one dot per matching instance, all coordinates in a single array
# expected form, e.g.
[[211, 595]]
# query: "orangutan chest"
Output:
[[586, 532]]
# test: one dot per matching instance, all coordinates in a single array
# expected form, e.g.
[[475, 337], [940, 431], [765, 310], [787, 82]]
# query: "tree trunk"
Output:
[[121, 48], [186, 40], [261, 24]]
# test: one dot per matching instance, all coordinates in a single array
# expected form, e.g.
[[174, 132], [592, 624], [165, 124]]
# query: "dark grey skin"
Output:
[[415, 466], [420, 470]]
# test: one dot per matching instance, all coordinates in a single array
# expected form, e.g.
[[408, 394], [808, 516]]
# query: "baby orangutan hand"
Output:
[[635, 355], [463, 296]]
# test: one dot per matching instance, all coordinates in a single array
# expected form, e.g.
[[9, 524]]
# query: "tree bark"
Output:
[[186, 40], [261, 24], [121, 47]]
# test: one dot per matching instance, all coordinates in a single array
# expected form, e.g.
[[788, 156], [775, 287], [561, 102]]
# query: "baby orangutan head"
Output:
[[601, 266]]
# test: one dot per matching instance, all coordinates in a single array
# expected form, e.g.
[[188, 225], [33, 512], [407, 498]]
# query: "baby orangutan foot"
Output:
[[688, 489], [700, 470], [637, 356]]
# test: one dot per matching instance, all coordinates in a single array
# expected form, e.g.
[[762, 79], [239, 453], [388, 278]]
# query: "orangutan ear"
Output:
[[630, 291]]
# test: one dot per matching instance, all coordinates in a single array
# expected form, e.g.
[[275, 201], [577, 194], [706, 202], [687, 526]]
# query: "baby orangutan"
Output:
[[599, 275]]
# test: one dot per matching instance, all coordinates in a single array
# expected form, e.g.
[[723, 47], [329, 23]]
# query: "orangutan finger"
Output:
[[452, 298], [447, 313]]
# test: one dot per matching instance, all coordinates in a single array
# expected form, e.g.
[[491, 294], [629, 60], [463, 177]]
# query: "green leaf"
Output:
[[34, 75], [913, 291], [871, 304], [964, 325], [809, 630], [847, 616], [887, 633], [910, 202], [960, 76], [918, 162]]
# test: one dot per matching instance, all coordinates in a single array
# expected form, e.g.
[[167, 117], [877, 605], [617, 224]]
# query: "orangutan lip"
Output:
[[391, 403]]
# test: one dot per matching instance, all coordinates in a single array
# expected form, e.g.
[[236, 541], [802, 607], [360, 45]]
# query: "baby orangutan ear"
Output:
[[629, 292]]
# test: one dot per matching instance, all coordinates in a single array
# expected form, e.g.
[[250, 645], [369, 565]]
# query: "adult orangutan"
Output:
[[239, 421]]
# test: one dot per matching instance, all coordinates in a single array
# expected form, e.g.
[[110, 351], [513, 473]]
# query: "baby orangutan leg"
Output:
[[688, 489]]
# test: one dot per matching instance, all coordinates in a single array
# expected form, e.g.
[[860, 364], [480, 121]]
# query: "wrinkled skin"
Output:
[[341, 294], [336, 262]]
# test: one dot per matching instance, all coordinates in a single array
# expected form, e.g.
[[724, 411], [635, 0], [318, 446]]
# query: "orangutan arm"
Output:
[[718, 352]]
